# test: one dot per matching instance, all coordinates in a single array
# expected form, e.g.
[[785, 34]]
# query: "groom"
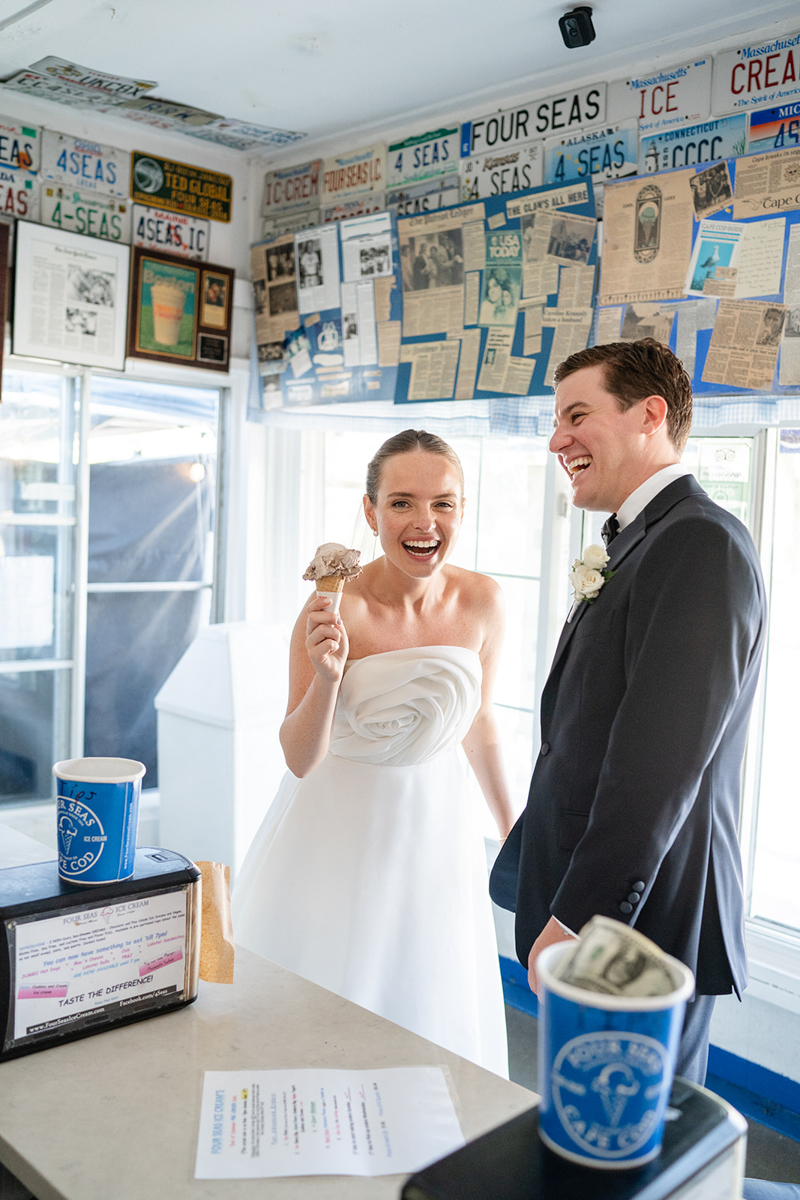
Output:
[[634, 802]]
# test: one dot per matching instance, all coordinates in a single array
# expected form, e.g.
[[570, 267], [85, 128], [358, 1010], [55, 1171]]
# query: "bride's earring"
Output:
[[374, 533]]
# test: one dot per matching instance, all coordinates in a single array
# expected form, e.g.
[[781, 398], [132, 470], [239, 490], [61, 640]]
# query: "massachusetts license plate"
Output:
[[88, 213]]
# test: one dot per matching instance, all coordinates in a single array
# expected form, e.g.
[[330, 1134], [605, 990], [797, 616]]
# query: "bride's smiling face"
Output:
[[419, 510]]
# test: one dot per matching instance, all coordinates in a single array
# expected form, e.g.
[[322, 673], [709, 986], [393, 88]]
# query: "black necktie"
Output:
[[610, 529]]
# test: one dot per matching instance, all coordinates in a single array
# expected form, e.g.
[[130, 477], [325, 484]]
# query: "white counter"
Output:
[[115, 1116]]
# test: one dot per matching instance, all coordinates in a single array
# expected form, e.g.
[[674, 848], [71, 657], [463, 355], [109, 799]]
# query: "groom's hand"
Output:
[[551, 934]]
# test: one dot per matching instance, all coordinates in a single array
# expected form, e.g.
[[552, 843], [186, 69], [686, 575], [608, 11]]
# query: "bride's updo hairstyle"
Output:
[[403, 443]]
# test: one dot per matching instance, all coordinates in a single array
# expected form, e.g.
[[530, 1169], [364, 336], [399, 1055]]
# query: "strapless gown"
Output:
[[369, 875]]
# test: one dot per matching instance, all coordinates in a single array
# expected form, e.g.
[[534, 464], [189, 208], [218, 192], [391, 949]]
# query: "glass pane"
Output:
[[512, 503], [722, 466], [501, 535], [37, 539], [516, 679], [777, 860], [516, 736], [37, 517], [134, 641], [29, 725], [151, 518]]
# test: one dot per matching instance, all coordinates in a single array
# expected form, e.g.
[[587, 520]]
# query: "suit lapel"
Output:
[[627, 540]]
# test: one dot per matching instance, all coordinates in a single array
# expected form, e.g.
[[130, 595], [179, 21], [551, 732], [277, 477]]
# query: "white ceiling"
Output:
[[331, 68]]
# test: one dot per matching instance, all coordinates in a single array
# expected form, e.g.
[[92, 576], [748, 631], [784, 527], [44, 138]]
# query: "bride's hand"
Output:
[[326, 640]]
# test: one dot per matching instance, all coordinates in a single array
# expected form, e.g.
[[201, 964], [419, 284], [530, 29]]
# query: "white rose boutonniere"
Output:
[[589, 574]]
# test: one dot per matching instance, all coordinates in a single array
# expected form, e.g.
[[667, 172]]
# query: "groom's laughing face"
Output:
[[599, 446]]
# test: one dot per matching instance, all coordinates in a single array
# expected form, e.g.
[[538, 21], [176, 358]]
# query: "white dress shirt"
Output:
[[647, 491]]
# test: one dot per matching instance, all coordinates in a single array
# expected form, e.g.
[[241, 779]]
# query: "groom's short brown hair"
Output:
[[635, 370]]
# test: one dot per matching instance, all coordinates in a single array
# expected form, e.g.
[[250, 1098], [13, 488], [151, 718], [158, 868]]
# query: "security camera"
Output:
[[576, 27]]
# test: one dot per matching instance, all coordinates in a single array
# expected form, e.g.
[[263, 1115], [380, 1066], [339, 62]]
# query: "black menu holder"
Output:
[[702, 1155]]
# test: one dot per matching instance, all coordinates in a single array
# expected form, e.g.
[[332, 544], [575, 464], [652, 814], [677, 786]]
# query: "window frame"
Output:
[[227, 581]]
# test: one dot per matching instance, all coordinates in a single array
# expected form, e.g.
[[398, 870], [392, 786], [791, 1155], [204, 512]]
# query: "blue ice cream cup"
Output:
[[606, 1065], [97, 811]]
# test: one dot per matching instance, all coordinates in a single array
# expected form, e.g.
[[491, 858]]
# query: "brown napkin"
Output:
[[216, 939]]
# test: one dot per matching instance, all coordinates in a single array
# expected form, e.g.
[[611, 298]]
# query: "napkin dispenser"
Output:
[[76, 961]]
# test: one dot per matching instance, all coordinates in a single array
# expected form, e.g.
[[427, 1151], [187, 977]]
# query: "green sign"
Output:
[[177, 187]]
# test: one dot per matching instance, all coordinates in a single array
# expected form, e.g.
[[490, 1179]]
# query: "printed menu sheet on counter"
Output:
[[93, 960], [388, 1121]]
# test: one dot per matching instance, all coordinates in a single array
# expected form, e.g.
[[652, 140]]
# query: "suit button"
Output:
[[634, 898], [638, 887], [545, 748], [625, 907]]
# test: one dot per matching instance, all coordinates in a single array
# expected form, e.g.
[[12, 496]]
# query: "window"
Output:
[[776, 850], [107, 548], [37, 552], [501, 537]]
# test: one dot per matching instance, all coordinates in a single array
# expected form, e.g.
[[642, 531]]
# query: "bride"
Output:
[[368, 874]]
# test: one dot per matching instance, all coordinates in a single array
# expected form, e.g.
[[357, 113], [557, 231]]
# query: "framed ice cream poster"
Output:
[[176, 313]]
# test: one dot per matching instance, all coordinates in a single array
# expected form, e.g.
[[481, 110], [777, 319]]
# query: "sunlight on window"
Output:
[[775, 893]]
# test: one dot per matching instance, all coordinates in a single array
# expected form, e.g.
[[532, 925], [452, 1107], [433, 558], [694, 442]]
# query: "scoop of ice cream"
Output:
[[333, 558]]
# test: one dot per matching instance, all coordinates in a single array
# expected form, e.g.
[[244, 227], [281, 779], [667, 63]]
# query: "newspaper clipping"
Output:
[[766, 184], [647, 320], [550, 240], [571, 327], [433, 368], [789, 373], [648, 239], [74, 299], [744, 344], [435, 249], [502, 279], [317, 255], [275, 296], [713, 267], [711, 190]]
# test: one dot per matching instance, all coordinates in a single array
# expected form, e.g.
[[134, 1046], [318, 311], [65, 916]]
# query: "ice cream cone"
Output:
[[330, 567], [330, 583], [331, 586]]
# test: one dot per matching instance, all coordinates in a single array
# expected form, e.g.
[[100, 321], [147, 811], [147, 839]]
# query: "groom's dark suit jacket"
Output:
[[636, 788]]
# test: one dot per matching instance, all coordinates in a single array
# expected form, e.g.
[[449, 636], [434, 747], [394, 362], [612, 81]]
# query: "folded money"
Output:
[[616, 960]]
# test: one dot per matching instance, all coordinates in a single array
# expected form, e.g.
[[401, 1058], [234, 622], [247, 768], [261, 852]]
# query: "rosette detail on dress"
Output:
[[405, 706]]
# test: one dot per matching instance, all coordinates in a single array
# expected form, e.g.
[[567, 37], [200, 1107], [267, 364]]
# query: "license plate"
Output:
[[19, 194], [90, 166], [174, 233], [19, 145], [87, 213]]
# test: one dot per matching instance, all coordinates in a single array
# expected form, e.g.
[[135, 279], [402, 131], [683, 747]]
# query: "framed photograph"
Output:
[[70, 297], [180, 311], [215, 300]]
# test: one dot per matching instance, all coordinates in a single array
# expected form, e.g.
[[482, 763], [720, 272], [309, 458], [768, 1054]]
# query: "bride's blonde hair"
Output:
[[403, 443]]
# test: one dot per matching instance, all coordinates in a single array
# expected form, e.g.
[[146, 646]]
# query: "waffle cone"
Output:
[[330, 583]]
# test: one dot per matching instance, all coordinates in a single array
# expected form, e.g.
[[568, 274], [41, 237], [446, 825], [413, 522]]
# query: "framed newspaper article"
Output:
[[180, 311], [70, 297]]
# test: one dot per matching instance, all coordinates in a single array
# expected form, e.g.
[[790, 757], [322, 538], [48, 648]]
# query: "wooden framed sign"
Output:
[[180, 310]]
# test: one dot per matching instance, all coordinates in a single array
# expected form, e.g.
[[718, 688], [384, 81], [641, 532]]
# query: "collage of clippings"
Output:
[[676, 217]]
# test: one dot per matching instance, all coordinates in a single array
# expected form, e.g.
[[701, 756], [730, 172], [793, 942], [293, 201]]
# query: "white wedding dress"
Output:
[[369, 875]]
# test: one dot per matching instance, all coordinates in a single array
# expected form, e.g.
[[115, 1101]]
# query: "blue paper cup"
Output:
[[605, 1067], [98, 817]]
